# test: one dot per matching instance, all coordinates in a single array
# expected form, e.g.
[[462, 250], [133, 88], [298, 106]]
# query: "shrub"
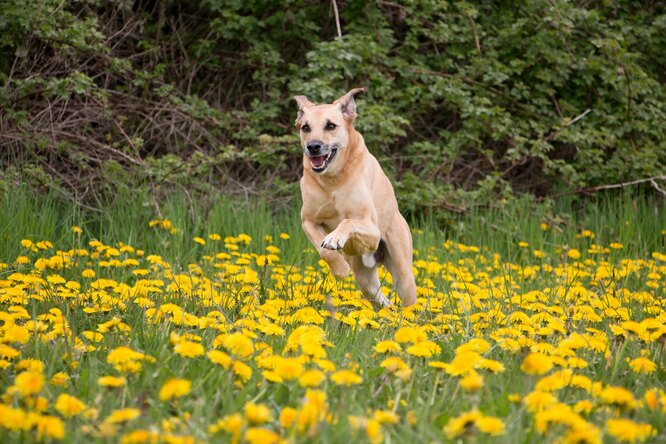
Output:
[[467, 102]]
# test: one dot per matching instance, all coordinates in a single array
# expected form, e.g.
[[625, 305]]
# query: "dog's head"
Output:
[[325, 131]]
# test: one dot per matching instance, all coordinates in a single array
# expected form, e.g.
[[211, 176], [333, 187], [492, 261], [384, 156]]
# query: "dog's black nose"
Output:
[[314, 147]]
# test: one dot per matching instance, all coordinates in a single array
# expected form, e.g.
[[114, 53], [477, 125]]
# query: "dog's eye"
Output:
[[330, 126], [305, 128]]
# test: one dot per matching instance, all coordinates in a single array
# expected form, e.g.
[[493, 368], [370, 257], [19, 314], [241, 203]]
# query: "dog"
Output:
[[350, 213]]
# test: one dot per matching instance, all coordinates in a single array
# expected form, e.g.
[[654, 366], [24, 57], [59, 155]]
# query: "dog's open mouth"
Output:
[[320, 163]]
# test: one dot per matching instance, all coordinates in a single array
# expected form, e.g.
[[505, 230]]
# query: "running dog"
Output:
[[349, 211]]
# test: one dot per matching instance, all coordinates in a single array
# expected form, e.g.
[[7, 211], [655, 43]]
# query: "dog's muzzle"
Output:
[[320, 155]]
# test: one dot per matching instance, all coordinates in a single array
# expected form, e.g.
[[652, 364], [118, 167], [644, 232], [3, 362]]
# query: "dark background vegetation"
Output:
[[469, 103]]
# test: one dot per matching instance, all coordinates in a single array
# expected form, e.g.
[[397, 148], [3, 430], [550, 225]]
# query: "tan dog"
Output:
[[349, 203]]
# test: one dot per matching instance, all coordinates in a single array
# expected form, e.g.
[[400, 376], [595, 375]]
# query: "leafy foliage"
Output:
[[467, 101]]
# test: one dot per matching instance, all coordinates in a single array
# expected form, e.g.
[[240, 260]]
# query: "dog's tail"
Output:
[[370, 260]]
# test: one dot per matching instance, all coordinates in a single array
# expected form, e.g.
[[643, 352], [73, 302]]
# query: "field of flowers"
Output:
[[111, 342]]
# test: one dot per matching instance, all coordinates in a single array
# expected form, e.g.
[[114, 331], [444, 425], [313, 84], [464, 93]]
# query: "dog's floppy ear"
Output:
[[347, 104], [303, 103]]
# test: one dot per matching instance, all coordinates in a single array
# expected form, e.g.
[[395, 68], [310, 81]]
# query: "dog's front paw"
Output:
[[334, 241], [380, 301]]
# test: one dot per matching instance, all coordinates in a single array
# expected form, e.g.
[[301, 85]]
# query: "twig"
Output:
[[337, 18], [476, 35], [651, 180], [654, 184], [552, 135]]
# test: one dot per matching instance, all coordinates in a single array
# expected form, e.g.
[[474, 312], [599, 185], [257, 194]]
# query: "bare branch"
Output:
[[337, 18]]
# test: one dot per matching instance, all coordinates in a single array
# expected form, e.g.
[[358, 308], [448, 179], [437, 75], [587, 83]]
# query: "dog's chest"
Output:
[[328, 207], [337, 205]]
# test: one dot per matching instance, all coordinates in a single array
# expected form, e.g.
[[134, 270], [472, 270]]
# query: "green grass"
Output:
[[633, 220], [479, 290]]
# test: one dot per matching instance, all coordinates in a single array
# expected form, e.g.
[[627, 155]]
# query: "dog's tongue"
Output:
[[317, 162]]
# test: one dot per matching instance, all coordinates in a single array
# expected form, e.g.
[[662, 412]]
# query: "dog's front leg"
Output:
[[339, 266], [354, 237]]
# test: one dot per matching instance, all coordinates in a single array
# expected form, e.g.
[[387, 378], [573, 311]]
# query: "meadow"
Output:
[[179, 323]]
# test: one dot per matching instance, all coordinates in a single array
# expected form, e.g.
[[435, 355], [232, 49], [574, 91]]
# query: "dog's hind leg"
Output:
[[398, 259], [368, 281]]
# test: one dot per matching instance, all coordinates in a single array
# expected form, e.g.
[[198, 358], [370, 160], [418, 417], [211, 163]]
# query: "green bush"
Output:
[[468, 101]]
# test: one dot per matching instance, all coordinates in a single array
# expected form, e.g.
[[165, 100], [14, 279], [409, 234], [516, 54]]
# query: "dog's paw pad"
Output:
[[333, 242]]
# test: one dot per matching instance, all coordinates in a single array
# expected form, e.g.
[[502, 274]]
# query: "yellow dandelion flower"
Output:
[[189, 349], [31, 365], [311, 378], [404, 374], [313, 411], [409, 334], [491, 365], [626, 430], [289, 369], [199, 241], [22, 260], [393, 364], [461, 425], [88, 273], [233, 424], [653, 396], [13, 418], [220, 358], [7, 352], [491, 425], [463, 363], [388, 347], [60, 379], [536, 364], [244, 238], [573, 254], [346, 378], [175, 388], [642, 365], [239, 345], [386, 417], [583, 406], [424, 349], [242, 370], [557, 414], [471, 382], [373, 431], [27, 243], [119, 416], [259, 435], [144, 436], [537, 401], [111, 381], [29, 383], [50, 427], [257, 414], [69, 406], [288, 416], [618, 396]]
